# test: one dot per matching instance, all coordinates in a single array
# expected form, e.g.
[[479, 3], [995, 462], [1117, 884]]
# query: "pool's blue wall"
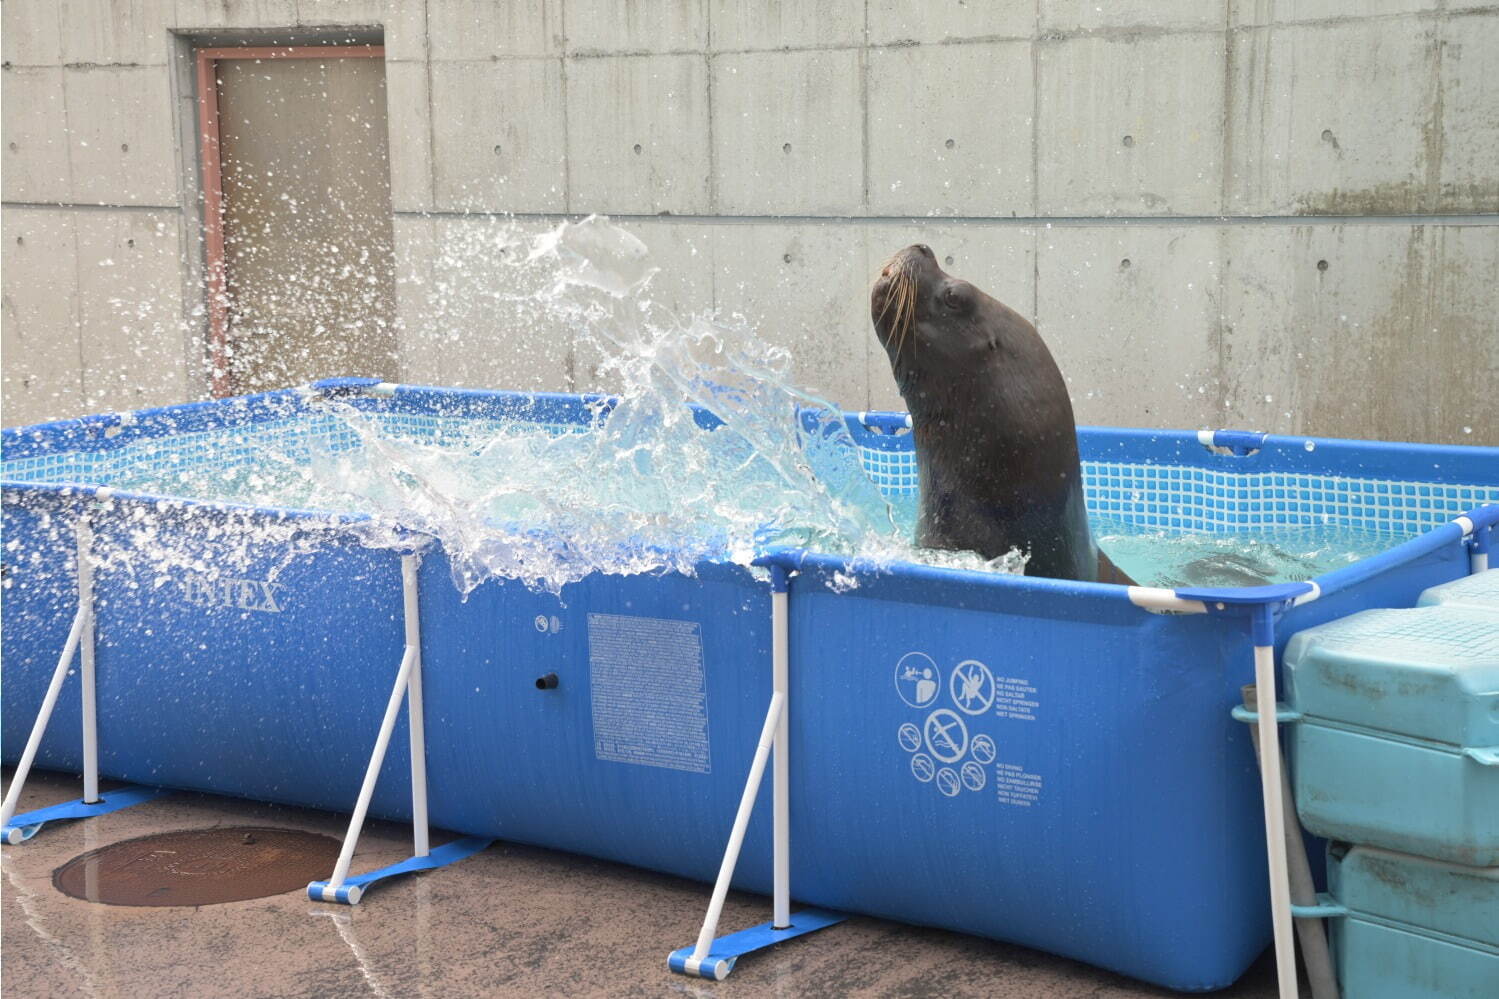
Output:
[[1139, 851], [251, 652]]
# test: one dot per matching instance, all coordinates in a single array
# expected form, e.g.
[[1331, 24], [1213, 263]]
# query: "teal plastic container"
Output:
[[1398, 743], [1479, 592], [1414, 927]]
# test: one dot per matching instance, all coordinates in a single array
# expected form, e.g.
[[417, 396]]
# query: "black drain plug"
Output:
[[199, 866]]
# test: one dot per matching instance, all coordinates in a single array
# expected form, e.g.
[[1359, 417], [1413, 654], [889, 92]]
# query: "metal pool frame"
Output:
[[1255, 610]]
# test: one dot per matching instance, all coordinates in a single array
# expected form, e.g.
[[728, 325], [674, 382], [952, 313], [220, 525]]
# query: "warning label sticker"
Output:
[[649, 691], [947, 745], [1016, 786]]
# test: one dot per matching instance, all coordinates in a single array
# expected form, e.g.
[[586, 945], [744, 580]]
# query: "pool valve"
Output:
[[547, 682]]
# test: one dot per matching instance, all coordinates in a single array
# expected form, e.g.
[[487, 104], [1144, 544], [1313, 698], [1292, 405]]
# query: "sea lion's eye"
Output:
[[951, 297]]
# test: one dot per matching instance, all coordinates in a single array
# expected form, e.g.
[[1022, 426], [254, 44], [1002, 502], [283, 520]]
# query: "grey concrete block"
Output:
[[409, 123], [637, 130], [134, 335], [897, 21], [788, 133], [681, 290], [30, 33], [1090, 15], [484, 29], [419, 360], [1335, 118], [1130, 125], [951, 130], [1263, 12], [35, 132], [1000, 260], [192, 14], [628, 26], [472, 313], [1469, 179], [738, 26], [116, 31], [684, 252], [1464, 344], [41, 378], [803, 288], [498, 136], [121, 133], [1131, 316], [1329, 332], [404, 23]]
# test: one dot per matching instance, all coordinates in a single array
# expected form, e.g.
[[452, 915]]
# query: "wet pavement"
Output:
[[512, 921]]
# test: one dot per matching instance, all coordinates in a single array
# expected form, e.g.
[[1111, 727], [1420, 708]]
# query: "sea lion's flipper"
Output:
[[1108, 572]]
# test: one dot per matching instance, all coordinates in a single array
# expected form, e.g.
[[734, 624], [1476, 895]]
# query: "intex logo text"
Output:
[[243, 594]]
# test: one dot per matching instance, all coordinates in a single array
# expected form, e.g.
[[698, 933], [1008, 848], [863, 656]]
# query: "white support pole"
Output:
[[781, 780], [741, 823], [1478, 558], [23, 768], [1275, 819], [387, 726], [86, 654], [415, 721]]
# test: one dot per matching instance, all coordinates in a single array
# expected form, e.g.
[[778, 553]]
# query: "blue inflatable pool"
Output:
[[1044, 762]]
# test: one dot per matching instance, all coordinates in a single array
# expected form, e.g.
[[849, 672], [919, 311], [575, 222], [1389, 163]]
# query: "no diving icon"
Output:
[[946, 735]]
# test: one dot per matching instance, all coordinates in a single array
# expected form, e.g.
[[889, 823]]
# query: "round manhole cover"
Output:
[[199, 866]]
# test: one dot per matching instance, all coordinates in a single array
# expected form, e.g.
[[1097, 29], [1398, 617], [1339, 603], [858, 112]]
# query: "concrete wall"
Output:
[[1276, 214]]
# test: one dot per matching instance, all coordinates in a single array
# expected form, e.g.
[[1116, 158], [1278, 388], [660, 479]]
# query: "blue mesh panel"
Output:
[[1170, 497], [1177, 497], [296, 438]]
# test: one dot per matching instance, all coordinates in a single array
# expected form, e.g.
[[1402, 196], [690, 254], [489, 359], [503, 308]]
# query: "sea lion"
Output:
[[996, 445]]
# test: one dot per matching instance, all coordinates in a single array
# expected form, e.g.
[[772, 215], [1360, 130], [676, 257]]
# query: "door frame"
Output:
[[216, 277]]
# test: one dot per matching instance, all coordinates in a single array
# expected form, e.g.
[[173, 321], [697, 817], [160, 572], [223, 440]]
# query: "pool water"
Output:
[[1271, 555], [527, 476]]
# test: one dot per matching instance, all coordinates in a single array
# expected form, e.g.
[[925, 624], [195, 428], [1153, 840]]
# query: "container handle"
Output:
[[1487, 756]]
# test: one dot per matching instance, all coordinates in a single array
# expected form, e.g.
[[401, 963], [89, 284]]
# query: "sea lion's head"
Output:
[[929, 321], [954, 349]]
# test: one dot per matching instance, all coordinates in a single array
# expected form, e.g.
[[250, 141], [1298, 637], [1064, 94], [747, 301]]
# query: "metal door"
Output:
[[300, 249]]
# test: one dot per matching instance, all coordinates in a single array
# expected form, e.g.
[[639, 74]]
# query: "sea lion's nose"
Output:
[[923, 248]]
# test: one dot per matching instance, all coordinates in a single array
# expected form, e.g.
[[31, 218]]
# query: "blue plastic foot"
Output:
[[353, 889], [728, 950], [23, 827]]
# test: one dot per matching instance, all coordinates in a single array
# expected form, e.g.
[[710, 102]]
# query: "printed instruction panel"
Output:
[[649, 691], [955, 736]]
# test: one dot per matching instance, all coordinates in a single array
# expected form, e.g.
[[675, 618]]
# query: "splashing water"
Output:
[[709, 452], [647, 487]]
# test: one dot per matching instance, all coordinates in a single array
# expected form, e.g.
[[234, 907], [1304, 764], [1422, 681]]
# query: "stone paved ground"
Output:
[[513, 921]]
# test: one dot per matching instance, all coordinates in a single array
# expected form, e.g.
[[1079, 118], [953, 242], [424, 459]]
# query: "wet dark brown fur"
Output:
[[996, 445]]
